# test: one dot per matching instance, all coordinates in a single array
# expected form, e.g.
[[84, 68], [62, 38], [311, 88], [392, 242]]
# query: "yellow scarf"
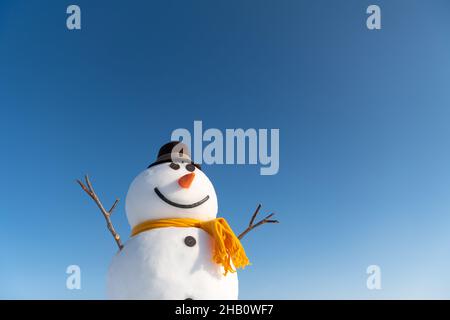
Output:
[[227, 246]]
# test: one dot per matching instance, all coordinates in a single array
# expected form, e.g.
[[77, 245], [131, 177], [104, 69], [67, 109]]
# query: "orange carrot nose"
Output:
[[186, 180]]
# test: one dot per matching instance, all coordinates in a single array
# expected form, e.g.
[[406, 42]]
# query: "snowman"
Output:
[[178, 249]]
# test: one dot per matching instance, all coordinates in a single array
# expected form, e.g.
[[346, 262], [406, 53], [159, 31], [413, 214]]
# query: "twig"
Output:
[[251, 224], [107, 214]]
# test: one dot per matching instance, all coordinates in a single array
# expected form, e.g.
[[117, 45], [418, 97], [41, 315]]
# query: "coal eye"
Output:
[[190, 167], [175, 166]]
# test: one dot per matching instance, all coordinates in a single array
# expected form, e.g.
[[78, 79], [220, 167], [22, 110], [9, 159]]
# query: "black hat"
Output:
[[173, 151]]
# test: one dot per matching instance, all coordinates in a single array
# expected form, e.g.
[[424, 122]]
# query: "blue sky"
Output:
[[364, 137]]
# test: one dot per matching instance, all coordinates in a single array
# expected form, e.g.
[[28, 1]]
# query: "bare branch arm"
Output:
[[252, 225], [89, 189]]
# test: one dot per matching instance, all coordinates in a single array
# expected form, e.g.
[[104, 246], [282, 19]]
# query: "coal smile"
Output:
[[178, 205]]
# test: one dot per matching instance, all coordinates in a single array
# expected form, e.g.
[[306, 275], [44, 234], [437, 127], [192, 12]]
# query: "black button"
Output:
[[190, 241], [188, 299]]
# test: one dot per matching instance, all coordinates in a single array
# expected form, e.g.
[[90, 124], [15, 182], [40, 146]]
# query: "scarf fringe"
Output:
[[227, 251]]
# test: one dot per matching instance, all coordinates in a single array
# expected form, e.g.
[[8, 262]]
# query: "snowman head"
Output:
[[171, 187]]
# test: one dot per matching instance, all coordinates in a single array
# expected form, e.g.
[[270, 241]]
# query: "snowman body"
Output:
[[170, 262]]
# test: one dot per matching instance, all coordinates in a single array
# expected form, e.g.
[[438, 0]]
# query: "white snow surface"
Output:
[[157, 264]]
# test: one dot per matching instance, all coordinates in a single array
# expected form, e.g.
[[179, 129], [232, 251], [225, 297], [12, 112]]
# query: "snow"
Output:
[[157, 264]]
